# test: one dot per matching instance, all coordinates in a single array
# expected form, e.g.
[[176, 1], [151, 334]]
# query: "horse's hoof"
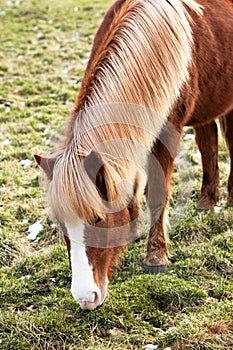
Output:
[[201, 207], [205, 205], [155, 269]]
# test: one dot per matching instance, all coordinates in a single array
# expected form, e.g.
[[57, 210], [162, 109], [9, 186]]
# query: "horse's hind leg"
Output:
[[160, 168], [227, 129], [207, 141]]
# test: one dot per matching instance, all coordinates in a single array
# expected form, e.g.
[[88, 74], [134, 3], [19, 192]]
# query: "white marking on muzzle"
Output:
[[83, 287]]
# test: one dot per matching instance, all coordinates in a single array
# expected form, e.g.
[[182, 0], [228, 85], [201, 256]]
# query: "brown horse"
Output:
[[155, 66]]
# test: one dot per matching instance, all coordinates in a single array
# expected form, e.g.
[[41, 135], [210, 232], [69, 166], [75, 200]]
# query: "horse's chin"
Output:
[[89, 306]]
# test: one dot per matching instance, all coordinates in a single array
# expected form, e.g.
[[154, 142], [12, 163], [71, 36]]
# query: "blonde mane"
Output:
[[125, 99]]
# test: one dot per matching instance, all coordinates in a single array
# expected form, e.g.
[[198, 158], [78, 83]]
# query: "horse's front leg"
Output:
[[160, 169]]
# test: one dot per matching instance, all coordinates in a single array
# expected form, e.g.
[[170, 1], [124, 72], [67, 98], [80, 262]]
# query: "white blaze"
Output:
[[83, 286]]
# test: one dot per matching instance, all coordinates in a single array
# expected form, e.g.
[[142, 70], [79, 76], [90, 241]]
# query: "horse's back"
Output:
[[213, 37]]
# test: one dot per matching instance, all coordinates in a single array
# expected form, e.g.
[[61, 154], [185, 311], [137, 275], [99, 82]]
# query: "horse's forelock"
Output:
[[65, 194], [72, 193]]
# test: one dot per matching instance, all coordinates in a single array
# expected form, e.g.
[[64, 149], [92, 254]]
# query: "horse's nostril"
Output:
[[95, 298]]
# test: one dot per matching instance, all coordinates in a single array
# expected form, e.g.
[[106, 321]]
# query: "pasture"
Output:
[[44, 49]]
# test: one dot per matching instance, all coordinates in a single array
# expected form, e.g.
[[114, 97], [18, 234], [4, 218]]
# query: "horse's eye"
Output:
[[97, 220]]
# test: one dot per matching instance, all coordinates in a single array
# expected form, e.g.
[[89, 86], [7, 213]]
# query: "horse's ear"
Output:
[[47, 164], [100, 174]]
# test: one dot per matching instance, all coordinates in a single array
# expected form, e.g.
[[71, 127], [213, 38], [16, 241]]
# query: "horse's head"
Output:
[[97, 227]]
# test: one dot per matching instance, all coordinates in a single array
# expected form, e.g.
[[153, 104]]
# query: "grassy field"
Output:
[[43, 53]]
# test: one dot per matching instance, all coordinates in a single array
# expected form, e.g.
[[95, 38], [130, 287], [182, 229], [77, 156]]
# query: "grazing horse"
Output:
[[155, 66]]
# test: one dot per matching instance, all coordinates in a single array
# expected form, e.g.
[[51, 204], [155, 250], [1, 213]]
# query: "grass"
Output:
[[44, 49]]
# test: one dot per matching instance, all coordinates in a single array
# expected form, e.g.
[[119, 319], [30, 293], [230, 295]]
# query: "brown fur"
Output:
[[208, 95]]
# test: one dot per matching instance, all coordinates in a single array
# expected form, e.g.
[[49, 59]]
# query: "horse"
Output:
[[155, 67]]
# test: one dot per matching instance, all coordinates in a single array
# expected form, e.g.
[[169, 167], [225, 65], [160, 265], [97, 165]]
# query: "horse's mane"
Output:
[[127, 94], [146, 49]]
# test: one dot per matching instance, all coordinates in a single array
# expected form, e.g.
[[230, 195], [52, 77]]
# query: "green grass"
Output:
[[44, 48]]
